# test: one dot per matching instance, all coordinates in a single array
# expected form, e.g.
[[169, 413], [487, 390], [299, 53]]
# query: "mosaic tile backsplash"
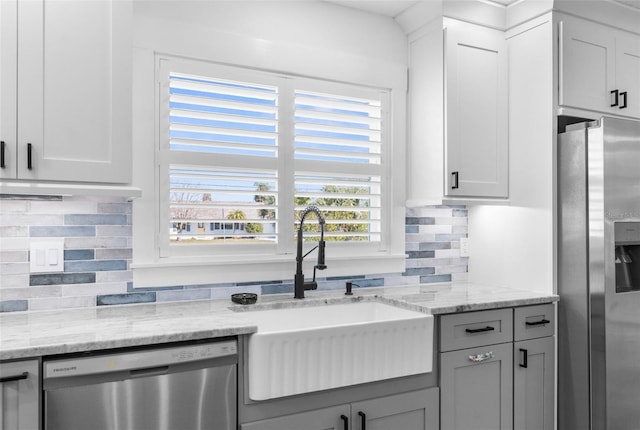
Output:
[[97, 235]]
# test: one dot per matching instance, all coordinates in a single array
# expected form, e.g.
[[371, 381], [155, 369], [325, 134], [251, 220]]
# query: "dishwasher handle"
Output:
[[141, 359], [149, 371]]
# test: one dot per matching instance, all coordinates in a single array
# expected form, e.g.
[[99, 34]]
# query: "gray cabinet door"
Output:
[[417, 410], [533, 389], [476, 389], [19, 395], [320, 419]]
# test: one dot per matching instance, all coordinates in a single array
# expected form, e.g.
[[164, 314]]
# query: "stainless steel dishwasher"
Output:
[[184, 387]]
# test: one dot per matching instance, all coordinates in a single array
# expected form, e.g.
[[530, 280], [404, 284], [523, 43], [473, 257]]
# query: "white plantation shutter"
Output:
[[221, 116], [243, 152], [338, 151], [350, 205], [223, 198]]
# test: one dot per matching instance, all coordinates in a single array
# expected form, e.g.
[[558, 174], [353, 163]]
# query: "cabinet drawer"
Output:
[[531, 322], [468, 330]]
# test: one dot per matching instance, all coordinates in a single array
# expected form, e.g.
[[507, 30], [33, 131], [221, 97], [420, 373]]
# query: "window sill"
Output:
[[162, 274]]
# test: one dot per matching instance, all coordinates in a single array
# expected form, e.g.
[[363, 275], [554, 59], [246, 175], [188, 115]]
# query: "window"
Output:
[[247, 151], [240, 152]]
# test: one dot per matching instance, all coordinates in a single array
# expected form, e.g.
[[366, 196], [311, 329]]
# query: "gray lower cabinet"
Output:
[[408, 411], [497, 369], [533, 384], [20, 395], [476, 388], [321, 419], [416, 410]]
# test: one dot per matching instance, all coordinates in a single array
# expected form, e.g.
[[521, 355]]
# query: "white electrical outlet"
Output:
[[46, 255], [464, 247]]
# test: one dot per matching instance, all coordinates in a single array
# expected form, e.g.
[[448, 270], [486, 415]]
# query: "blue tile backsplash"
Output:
[[97, 236]]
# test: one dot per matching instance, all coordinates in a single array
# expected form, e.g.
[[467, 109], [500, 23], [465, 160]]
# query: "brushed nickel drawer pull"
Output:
[[478, 358]]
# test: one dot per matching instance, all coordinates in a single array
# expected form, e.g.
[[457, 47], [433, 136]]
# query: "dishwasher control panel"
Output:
[[123, 361]]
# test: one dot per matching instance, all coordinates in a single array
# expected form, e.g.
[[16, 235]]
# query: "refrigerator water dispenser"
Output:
[[627, 255]]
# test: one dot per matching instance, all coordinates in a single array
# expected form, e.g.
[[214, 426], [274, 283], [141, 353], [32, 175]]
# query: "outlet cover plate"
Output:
[[464, 247]]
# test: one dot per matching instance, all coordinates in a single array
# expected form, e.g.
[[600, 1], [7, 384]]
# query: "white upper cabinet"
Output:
[[8, 91], [70, 118], [628, 73], [476, 114], [599, 68], [458, 114]]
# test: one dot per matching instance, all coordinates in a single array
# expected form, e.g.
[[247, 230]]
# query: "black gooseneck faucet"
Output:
[[298, 281]]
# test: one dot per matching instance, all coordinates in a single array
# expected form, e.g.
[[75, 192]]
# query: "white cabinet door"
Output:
[[74, 90], [587, 54], [599, 69], [628, 74], [458, 114], [19, 395], [476, 112], [8, 81]]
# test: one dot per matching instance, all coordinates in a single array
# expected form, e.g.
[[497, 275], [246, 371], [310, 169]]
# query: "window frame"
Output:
[[285, 163], [352, 258]]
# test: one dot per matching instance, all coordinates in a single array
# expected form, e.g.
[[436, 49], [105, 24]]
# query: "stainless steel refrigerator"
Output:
[[599, 276]]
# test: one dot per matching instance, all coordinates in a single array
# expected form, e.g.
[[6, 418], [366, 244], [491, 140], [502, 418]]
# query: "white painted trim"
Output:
[[271, 269]]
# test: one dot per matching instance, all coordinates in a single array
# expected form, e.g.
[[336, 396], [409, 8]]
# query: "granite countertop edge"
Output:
[[45, 333]]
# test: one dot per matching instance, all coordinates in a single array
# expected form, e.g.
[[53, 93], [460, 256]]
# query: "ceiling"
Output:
[[393, 8]]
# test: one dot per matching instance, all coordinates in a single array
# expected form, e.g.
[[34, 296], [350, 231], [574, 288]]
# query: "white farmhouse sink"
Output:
[[305, 349]]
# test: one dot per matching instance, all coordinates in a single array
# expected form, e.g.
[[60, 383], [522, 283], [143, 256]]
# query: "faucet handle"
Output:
[[311, 285]]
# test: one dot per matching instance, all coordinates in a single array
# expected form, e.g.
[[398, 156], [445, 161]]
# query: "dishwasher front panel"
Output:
[[198, 395]]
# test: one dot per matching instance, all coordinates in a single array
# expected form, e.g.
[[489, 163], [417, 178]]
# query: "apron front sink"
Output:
[[304, 349]]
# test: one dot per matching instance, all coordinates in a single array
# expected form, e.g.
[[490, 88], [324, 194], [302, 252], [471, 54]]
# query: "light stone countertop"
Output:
[[40, 333]]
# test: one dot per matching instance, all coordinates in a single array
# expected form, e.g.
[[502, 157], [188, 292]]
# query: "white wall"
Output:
[[305, 38], [309, 38], [513, 245]]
